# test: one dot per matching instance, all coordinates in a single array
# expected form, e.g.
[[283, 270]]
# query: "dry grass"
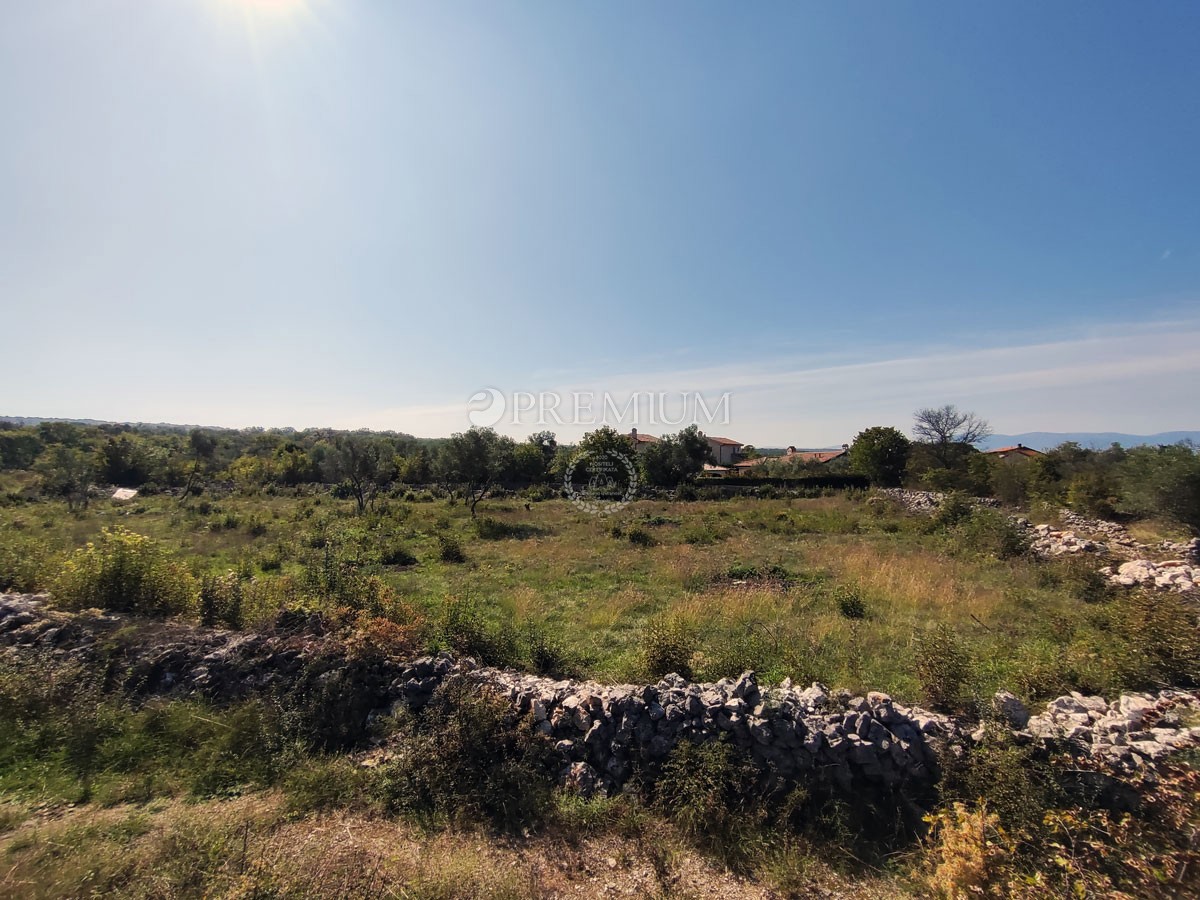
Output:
[[1152, 531], [916, 583], [247, 847]]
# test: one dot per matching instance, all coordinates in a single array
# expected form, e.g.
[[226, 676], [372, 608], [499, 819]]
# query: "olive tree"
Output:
[[477, 460]]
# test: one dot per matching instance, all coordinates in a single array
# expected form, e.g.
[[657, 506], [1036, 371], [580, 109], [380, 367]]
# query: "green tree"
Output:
[[606, 439], [363, 463], [19, 449], [529, 463], [675, 459], [477, 460], [604, 451], [202, 448], [880, 453], [68, 473], [415, 468], [1162, 481], [126, 461], [547, 442]]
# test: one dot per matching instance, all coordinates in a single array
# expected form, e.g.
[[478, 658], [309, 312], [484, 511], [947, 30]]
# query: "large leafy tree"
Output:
[[880, 453], [609, 452], [477, 460], [68, 473], [1162, 481], [676, 458]]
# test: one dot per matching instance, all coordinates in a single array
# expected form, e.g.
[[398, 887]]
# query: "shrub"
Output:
[[397, 555], [942, 667], [272, 560], [1015, 782], [708, 531], [491, 529], [126, 572], [325, 783], [955, 507], [375, 638], [1161, 640], [850, 604], [468, 758], [767, 572], [668, 646], [23, 564], [640, 537], [710, 792], [450, 550], [246, 751], [968, 848], [993, 533], [463, 627], [546, 655], [221, 599], [1079, 576]]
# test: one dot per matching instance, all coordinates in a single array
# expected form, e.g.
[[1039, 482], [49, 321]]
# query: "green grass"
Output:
[[180, 798], [573, 578]]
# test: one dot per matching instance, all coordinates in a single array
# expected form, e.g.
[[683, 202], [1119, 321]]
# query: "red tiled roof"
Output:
[[799, 456], [820, 456], [1022, 450], [721, 440], [645, 438]]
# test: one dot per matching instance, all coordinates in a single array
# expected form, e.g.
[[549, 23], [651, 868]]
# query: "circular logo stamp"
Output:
[[490, 412], [601, 482]]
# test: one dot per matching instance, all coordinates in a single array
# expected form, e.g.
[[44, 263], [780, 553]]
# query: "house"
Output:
[[1017, 453], [815, 456], [725, 451], [641, 441], [711, 471], [799, 457]]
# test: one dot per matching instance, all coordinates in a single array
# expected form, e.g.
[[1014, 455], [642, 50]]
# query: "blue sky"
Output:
[[310, 212]]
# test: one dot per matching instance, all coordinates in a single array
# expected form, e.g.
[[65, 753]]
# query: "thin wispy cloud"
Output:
[[1142, 376]]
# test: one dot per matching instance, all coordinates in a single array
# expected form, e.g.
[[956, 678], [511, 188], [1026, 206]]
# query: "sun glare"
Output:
[[261, 9]]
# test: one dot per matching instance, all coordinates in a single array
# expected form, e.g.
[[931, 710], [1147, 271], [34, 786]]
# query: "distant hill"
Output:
[[159, 427], [1098, 440], [147, 426]]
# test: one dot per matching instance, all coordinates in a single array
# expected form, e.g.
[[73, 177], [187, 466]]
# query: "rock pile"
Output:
[[1049, 542], [915, 501], [1181, 572], [1135, 730], [1171, 575]]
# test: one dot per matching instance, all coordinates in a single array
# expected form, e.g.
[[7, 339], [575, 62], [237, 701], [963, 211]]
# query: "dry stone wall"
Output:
[[870, 745]]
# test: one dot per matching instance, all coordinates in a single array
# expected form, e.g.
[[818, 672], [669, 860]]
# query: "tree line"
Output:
[[1142, 482], [68, 460]]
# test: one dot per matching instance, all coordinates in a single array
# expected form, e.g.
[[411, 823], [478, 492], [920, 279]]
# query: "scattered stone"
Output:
[[1010, 709]]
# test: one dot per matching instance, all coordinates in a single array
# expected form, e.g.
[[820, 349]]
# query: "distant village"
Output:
[[732, 458]]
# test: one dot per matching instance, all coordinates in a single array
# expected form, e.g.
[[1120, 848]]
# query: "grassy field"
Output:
[[840, 589], [177, 797]]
